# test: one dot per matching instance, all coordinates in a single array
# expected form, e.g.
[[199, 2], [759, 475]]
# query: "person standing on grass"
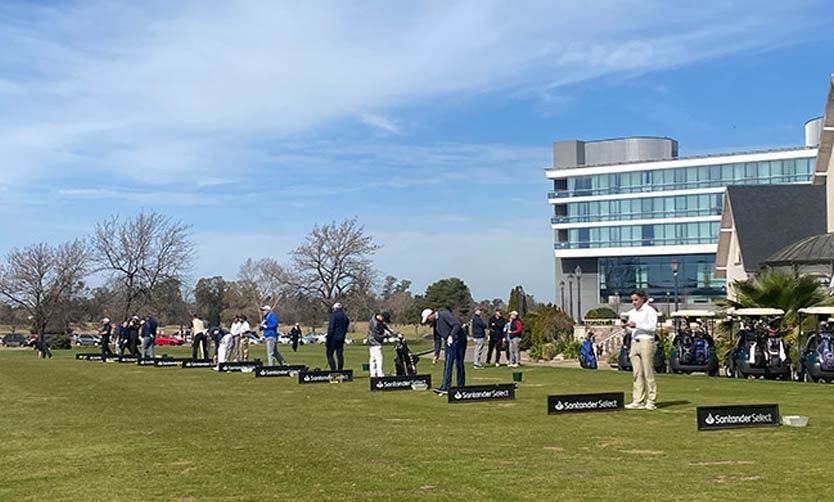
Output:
[[149, 326], [337, 327], [243, 349], [514, 332], [236, 333], [448, 330], [478, 335], [133, 336], [198, 337], [104, 332], [295, 336], [122, 342], [377, 332], [642, 324], [496, 334], [269, 328]]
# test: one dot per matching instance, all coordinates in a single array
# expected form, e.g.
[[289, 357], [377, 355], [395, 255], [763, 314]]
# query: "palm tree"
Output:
[[777, 289]]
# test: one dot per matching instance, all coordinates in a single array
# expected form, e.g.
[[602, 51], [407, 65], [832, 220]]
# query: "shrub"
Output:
[[535, 352], [601, 313], [59, 342], [571, 349], [548, 351]]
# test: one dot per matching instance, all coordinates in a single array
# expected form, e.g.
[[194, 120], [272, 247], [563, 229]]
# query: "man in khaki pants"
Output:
[[642, 323]]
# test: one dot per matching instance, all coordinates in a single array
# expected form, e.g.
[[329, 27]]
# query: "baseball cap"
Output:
[[266, 307], [425, 315], [337, 306]]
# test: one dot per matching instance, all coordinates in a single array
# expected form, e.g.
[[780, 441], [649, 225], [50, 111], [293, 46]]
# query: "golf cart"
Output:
[[759, 350], [816, 360], [623, 361], [693, 349]]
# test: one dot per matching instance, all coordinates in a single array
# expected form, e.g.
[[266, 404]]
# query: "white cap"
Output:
[[425, 315], [266, 307], [514, 312], [337, 306], [105, 320]]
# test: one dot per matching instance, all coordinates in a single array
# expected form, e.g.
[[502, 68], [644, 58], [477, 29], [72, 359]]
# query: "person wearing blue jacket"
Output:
[[337, 327], [448, 331], [269, 328]]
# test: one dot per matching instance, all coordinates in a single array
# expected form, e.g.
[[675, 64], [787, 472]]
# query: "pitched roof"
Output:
[[769, 217]]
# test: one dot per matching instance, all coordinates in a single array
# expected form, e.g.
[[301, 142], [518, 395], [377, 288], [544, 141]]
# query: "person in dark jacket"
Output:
[[122, 342], [478, 335], [133, 336], [104, 333], [496, 335], [378, 331], [295, 335], [448, 331], [337, 327], [148, 336]]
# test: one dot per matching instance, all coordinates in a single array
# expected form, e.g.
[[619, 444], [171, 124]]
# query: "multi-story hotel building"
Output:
[[629, 213]]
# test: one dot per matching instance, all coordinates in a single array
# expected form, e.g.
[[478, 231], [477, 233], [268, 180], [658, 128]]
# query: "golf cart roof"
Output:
[[694, 313], [758, 311], [829, 310]]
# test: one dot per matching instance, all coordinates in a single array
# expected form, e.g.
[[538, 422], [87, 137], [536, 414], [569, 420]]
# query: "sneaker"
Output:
[[478, 366], [497, 364], [651, 406], [440, 392], [635, 406]]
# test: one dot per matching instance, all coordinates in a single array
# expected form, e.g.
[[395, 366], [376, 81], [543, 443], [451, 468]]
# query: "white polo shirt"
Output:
[[645, 320]]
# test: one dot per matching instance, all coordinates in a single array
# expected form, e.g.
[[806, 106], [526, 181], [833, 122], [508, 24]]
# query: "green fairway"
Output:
[[78, 430]]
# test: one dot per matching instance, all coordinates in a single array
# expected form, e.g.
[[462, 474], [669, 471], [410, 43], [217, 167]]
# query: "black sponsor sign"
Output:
[[146, 362], [165, 363], [197, 363], [89, 357], [279, 371], [128, 359], [581, 403], [402, 382], [473, 393], [733, 417], [325, 376], [247, 366]]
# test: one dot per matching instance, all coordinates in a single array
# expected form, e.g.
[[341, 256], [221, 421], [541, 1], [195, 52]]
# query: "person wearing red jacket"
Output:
[[515, 330]]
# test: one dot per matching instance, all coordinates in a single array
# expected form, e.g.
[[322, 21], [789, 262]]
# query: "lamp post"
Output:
[[562, 293], [570, 294], [578, 272], [675, 265]]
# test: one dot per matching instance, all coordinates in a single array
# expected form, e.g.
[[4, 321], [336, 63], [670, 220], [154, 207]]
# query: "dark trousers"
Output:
[[105, 346], [338, 347], [494, 344], [198, 341], [295, 344], [454, 356], [133, 344]]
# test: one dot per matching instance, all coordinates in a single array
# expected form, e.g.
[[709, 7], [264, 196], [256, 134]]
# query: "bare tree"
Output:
[[140, 252], [334, 262], [40, 279]]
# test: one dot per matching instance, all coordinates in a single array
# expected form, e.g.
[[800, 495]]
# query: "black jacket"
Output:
[[446, 325], [337, 326], [496, 327], [478, 327]]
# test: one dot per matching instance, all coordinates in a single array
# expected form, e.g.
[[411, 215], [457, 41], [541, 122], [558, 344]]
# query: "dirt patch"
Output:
[[735, 479], [723, 462], [554, 448], [644, 453]]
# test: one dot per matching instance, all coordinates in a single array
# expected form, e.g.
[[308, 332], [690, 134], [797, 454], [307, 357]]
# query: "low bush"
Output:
[[601, 313], [549, 351]]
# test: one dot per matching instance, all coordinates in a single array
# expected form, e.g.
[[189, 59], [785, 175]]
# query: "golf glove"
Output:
[[450, 340]]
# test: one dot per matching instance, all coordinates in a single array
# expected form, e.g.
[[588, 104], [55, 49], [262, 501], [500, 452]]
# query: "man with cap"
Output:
[[149, 326], [198, 337], [269, 327], [104, 333], [448, 330], [377, 332], [337, 327], [478, 334]]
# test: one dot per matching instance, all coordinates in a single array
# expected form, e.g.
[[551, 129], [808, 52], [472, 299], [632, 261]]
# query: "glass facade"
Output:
[[619, 276], [666, 234], [678, 206], [684, 178]]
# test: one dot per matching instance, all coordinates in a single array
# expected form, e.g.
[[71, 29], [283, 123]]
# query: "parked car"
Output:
[[14, 340], [284, 339], [168, 340], [86, 341], [314, 338]]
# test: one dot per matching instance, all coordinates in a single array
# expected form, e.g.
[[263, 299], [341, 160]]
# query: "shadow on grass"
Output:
[[670, 404]]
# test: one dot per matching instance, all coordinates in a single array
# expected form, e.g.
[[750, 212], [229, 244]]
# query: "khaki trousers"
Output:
[[641, 355]]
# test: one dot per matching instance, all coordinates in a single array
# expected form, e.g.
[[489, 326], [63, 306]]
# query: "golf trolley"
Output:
[[405, 362], [816, 359], [693, 348], [759, 348]]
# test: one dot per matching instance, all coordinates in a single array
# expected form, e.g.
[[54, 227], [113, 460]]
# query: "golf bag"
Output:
[[405, 362], [692, 349], [587, 357], [825, 352], [750, 344], [775, 351]]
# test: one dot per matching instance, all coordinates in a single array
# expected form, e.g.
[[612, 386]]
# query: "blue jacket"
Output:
[[271, 322], [478, 327], [446, 325], [149, 327], [337, 326]]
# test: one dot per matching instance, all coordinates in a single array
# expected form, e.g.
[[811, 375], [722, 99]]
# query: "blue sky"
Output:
[[431, 122]]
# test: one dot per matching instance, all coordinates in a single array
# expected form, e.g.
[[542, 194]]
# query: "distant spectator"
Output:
[[295, 336], [104, 332], [337, 327], [148, 336], [514, 333], [478, 335], [496, 335]]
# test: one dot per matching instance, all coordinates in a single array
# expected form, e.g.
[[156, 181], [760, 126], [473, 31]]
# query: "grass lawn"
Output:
[[88, 431]]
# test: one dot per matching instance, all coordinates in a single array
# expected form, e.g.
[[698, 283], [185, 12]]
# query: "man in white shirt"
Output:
[[236, 332], [642, 323], [243, 349]]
